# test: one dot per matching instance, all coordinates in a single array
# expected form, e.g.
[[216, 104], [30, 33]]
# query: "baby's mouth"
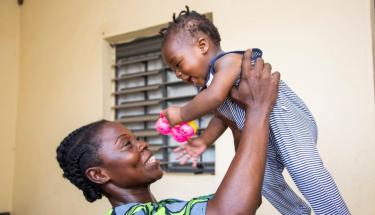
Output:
[[196, 82], [193, 80]]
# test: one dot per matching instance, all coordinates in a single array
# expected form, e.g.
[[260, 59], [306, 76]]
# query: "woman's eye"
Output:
[[126, 143], [178, 65]]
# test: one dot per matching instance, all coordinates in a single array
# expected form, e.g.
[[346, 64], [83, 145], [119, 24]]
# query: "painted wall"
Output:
[[9, 66], [322, 48]]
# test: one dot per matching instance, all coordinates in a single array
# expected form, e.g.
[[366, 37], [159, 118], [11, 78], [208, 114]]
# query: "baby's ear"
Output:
[[203, 45]]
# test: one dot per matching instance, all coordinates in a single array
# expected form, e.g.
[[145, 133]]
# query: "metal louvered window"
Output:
[[144, 85]]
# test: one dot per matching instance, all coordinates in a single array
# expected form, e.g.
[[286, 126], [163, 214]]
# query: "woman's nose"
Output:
[[142, 145]]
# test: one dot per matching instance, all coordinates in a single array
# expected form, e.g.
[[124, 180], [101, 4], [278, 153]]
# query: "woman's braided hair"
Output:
[[192, 22], [76, 153]]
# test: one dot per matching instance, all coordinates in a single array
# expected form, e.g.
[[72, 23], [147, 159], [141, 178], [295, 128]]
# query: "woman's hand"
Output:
[[258, 86]]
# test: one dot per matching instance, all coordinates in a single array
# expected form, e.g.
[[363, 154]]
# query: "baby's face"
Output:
[[186, 59]]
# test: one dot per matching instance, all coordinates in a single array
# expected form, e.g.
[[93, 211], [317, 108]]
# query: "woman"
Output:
[[104, 158]]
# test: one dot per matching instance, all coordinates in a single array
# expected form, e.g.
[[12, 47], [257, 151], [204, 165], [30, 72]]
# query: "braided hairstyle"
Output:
[[193, 23], [76, 153]]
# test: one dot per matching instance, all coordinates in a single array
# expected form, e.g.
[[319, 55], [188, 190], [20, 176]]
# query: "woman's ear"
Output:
[[203, 45], [97, 175]]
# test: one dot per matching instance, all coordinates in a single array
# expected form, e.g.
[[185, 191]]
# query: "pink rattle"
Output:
[[181, 132]]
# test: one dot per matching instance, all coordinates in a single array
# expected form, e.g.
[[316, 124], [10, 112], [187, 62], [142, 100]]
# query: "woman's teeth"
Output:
[[150, 160]]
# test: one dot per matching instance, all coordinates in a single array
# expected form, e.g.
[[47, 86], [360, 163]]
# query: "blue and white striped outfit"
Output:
[[292, 144]]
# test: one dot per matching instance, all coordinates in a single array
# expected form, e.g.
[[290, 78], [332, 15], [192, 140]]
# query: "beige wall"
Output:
[[372, 14], [322, 48], [9, 61]]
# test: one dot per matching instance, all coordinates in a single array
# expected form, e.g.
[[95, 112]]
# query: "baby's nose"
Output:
[[184, 77], [178, 74], [181, 75]]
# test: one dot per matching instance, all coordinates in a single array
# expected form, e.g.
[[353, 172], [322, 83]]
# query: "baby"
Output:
[[191, 47]]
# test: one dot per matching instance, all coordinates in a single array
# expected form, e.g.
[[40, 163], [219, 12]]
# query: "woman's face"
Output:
[[127, 162]]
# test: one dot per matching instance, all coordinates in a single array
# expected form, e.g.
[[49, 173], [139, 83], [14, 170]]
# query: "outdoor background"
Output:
[[55, 76]]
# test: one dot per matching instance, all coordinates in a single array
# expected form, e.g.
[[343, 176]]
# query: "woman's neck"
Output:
[[120, 196]]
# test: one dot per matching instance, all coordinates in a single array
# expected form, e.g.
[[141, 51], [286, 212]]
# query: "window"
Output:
[[144, 85]]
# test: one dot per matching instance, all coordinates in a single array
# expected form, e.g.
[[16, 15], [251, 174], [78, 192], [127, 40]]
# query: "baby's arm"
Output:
[[236, 132], [227, 69], [214, 130], [195, 147]]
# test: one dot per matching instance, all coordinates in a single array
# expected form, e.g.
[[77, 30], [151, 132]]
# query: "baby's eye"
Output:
[[178, 65]]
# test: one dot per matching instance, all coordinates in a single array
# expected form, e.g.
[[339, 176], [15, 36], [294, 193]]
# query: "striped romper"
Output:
[[292, 144]]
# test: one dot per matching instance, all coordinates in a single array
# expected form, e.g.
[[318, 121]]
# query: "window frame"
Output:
[[127, 52]]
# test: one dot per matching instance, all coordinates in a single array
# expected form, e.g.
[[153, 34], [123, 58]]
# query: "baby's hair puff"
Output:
[[192, 22]]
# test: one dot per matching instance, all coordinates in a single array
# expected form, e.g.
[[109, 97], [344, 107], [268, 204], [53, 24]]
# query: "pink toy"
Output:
[[181, 133], [162, 126]]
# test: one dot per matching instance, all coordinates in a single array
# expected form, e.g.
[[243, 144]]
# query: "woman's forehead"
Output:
[[112, 131]]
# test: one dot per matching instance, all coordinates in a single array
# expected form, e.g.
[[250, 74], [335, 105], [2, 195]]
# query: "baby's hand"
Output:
[[172, 113], [191, 150]]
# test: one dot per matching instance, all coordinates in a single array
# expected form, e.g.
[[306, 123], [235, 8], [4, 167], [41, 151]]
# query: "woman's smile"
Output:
[[151, 161]]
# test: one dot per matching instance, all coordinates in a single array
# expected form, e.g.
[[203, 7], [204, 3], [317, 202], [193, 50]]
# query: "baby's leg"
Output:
[[295, 133], [276, 190]]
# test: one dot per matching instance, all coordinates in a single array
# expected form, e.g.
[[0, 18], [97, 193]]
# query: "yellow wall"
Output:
[[9, 61], [322, 48]]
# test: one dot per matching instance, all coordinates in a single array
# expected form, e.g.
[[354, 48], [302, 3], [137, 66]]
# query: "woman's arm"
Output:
[[240, 190]]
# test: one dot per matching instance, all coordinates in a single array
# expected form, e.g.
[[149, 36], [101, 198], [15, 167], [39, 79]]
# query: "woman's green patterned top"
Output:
[[196, 206]]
